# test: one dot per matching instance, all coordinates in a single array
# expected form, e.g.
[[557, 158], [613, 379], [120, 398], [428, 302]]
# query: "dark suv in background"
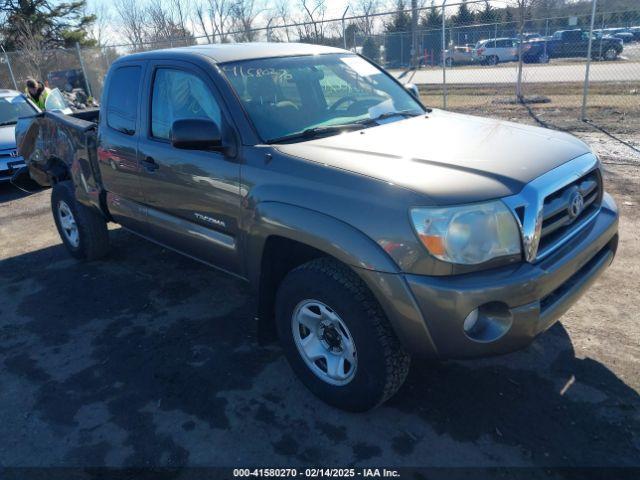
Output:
[[570, 44]]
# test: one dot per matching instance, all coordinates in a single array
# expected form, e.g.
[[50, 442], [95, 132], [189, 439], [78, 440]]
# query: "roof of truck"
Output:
[[233, 52]]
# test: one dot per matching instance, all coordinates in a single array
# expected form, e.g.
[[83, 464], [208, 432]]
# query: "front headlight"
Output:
[[468, 234]]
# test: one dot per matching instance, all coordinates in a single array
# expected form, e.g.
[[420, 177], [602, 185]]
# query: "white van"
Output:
[[495, 50]]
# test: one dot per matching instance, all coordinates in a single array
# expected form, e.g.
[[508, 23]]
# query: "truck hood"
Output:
[[449, 157], [7, 137]]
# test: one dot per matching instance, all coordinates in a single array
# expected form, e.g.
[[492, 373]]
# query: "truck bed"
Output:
[[55, 145]]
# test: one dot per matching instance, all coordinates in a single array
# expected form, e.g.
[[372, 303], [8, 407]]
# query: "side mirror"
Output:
[[196, 134], [412, 88]]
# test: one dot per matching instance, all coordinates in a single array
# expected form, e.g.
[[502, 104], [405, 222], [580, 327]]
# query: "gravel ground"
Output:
[[150, 359]]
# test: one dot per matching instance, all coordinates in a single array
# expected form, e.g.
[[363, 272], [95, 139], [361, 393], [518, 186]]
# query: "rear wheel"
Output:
[[543, 58], [610, 54], [337, 338], [83, 231]]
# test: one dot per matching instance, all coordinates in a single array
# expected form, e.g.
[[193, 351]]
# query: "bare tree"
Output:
[[201, 17], [31, 46], [524, 9], [244, 14], [101, 29], [181, 9], [281, 15], [314, 12], [214, 18], [159, 21], [365, 10], [132, 22]]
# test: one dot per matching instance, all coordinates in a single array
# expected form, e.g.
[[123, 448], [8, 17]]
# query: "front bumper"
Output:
[[9, 166], [516, 302]]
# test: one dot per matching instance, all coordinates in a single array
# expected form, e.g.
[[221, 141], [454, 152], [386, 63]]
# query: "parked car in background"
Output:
[[623, 34], [371, 228], [495, 50], [569, 44], [459, 55], [66, 80], [13, 105], [531, 36], [636, 33]]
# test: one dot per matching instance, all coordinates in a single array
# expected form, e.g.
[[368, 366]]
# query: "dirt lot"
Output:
[[150, 359], [613, 106]]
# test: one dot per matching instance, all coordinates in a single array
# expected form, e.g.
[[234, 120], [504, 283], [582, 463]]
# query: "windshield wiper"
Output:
[[317, 131], [384, 116], [4, 124]]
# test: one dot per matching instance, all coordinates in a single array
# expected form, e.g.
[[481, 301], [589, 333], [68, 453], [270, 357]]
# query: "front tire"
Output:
[[83, 231], [337, 338]]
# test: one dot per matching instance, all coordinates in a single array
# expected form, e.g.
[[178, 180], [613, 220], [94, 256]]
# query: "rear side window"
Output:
[[122, 105]]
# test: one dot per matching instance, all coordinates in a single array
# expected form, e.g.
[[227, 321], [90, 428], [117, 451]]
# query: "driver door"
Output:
[[192, 197]]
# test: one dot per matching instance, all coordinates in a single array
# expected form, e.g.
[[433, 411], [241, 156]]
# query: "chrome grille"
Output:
[[542, 204], [9, 154], [560, 215]]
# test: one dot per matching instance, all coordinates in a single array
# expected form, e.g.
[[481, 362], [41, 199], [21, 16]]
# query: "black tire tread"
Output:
[[397, 360], [94, 234]]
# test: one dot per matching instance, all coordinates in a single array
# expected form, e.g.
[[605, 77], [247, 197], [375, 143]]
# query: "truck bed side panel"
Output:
[[54, 146]]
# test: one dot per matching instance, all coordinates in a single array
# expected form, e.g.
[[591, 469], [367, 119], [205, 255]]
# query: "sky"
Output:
[[335, 10]]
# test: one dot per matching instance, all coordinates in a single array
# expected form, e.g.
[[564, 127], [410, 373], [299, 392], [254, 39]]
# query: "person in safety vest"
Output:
[[37, 92]]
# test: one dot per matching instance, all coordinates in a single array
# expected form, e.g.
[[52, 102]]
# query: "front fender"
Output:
[[322, 232], [350, 246]]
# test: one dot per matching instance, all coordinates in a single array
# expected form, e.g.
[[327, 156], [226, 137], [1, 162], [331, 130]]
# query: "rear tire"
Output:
[[610, 54], [83, 230], [493, 60], [380, 364]]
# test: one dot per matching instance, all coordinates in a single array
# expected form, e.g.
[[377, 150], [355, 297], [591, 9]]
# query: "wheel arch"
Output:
[[57, 170], [282, 237]]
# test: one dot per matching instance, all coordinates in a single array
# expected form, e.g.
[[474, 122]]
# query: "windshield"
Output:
[[12, 108], [285, 96]]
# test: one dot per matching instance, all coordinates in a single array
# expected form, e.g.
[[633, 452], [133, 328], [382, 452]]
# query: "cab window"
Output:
[[122, 103], [179, 95]]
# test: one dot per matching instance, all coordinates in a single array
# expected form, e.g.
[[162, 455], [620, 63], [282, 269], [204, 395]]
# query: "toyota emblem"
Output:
[[576, 205]]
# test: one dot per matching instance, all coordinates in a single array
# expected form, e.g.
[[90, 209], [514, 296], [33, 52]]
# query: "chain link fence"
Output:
[[532, 67]]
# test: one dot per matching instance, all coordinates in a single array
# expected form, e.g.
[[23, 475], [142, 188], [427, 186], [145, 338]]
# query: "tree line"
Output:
[[50, 24]]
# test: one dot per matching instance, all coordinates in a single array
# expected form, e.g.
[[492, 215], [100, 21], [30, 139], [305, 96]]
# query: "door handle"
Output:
[[150, 164]]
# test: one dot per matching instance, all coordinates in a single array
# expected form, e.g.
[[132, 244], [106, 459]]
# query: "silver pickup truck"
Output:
[[373, 229]]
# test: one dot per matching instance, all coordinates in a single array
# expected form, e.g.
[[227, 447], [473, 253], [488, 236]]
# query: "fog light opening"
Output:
[[471, 322], [488, 323]]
